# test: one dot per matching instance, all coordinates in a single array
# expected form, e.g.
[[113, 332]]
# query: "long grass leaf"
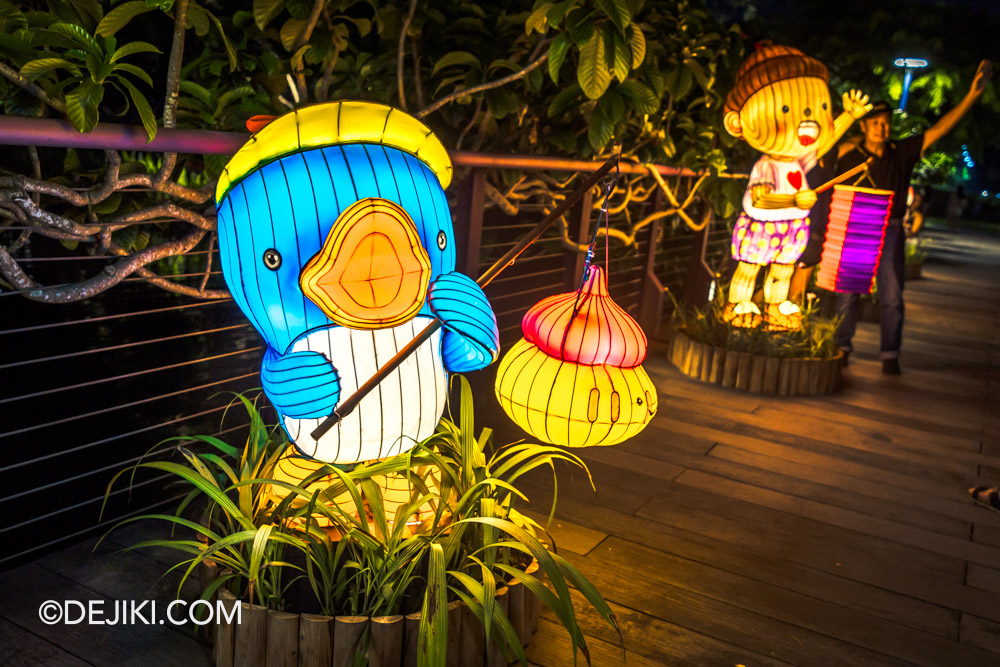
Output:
[[432, 647]]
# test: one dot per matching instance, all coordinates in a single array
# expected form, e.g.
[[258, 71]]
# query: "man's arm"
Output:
[[950, 119]]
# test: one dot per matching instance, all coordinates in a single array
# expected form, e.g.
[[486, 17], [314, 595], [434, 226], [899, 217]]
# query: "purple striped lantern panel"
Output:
[[854, 237]]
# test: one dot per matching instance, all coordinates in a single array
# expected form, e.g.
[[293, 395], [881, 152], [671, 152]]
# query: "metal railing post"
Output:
[[473, 202], [581, 234]]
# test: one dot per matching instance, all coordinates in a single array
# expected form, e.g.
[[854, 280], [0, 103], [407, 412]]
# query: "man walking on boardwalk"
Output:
[[890, 169]]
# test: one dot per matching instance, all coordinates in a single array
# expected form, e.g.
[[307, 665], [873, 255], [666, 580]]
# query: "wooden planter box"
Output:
[[753, 372], [268, 638]]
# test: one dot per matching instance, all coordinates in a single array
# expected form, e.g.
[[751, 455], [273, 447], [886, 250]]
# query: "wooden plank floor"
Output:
[[736, 529]]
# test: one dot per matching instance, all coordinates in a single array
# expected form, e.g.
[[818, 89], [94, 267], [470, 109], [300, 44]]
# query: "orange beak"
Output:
[[372, 271]]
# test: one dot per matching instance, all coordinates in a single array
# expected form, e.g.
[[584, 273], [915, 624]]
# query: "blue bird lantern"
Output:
[[336, 242]]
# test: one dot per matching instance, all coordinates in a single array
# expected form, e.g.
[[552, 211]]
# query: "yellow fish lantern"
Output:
[[575, 378]]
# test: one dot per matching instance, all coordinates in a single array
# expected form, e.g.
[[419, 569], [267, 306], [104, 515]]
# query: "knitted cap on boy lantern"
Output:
[[575, 378], [337, 243]]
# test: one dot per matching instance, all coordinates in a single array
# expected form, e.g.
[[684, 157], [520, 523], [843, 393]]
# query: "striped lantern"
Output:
[[854, 237], [575, 378], [336, 241]]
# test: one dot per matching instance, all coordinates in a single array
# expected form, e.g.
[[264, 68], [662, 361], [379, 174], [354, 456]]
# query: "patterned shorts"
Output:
[[778, 242]]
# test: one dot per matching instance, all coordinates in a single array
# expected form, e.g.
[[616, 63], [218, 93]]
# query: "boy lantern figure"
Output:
[[781, 106]]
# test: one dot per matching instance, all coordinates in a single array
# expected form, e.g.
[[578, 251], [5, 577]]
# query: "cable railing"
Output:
[[146, 364]]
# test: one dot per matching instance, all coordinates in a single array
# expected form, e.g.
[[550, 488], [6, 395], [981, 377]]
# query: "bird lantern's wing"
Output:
[[471, 338], [300, 385]]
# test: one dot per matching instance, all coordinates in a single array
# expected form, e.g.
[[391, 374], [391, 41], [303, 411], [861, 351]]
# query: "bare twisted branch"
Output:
[[15, 77], [110, 276], [489, 85]]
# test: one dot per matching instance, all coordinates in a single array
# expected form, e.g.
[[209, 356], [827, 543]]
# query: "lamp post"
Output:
[[908, 65]]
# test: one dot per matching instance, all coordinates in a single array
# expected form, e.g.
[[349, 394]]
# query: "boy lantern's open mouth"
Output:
[[372, 271], [808, 132]]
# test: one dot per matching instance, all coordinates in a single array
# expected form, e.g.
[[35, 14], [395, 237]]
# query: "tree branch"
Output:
[[489, 85], [323, 93], [52, 220], [110, 276], [14, 77], [307, 29], [302, 40], [170, 286], [170, 210], [401, 53], [173, 84], [417, 85], [208, 263], [470, 125]]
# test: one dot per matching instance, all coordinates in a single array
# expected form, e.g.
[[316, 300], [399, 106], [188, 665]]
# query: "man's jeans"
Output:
[[889, 283]]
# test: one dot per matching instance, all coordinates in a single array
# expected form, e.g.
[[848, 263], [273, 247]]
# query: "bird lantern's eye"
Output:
[[784, 109], [272, 259], [824, 106], [442, 240]]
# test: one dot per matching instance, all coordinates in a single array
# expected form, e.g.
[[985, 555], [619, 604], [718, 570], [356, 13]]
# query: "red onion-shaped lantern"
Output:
[[575, 378]]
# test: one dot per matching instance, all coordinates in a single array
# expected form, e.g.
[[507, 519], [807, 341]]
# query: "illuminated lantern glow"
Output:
[[586, 327], [575, 379], [780, 105], [293, 468], [397, 490], [854, 238], [336, 242]]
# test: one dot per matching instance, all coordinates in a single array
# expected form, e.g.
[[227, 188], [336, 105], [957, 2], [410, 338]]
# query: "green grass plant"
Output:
[[352, 558], [704, 324]]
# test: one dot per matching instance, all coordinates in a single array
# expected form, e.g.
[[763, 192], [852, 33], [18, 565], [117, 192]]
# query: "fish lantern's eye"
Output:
[[824, 106], [272, 259], [784, 109], [442, 240]]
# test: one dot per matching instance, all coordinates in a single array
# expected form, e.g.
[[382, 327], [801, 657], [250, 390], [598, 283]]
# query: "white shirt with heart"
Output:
[[787, 178]]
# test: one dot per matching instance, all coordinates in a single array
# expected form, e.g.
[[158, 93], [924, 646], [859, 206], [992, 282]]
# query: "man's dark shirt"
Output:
[[820, 213], [892, 171]]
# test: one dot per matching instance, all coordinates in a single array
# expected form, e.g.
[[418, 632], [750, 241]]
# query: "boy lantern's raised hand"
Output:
[[856, 104]]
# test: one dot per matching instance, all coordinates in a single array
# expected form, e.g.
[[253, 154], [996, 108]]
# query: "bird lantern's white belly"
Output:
[[398, 413]]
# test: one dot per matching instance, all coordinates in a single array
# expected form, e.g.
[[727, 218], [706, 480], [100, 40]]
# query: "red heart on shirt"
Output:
[[795, 178]]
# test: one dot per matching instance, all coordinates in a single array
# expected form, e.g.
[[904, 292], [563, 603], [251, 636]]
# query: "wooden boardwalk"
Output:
[[748, 530], [737, 529]]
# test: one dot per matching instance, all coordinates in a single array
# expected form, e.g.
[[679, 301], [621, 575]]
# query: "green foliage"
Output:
[[916, 249], [90, 63], [607, 78], [934, 168], [705, 324], [353, 558]]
